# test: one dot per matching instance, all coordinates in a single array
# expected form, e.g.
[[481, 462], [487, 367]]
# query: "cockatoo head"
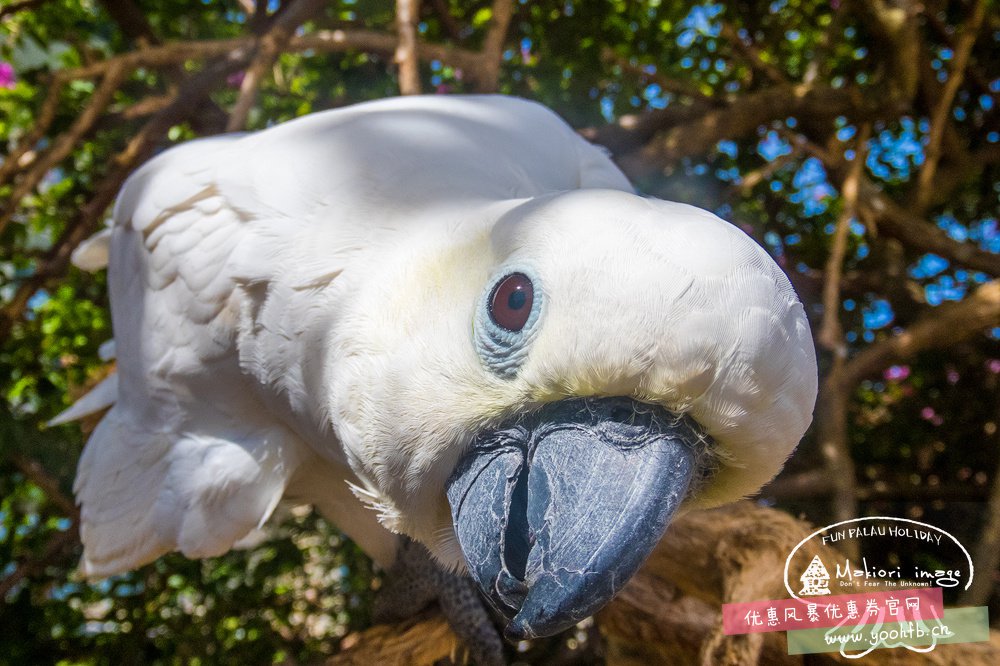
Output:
[[534, 398]]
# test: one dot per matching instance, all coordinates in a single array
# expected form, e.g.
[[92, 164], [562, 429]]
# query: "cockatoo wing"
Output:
[[167, 469]]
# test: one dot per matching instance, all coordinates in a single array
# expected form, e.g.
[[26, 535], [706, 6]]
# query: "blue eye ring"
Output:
[[506, 319]]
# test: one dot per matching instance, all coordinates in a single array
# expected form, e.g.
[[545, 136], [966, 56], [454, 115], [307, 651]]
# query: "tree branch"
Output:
[[488, 71], [912, 230], [65, 144], [37, 474], [373, 41], [146, 106], [136, 27], [234, 53], [743, 116], [945, 35], [831, 334], [632, 131], [407, 15], [817, 484], [271, 45], [326, 41], [943, 326], [898, 39], [669, 612], [752, 179]]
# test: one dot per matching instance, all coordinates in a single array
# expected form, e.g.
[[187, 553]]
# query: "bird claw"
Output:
[[415, 580]]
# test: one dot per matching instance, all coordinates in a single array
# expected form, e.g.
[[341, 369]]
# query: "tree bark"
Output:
[[669, 613]]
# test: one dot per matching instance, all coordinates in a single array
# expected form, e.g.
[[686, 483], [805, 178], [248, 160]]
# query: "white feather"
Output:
[[98, 398], [293, 315], [92, 254]]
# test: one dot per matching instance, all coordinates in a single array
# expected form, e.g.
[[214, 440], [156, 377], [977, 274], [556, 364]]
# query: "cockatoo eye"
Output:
[[507, 318], [510, 302]]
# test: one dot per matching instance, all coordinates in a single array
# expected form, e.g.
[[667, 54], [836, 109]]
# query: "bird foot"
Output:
[[415, 580]]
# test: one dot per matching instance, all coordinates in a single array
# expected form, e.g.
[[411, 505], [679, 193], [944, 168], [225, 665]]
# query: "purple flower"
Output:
[[993, 365], [928, 414], [897, 373], [7, 76]]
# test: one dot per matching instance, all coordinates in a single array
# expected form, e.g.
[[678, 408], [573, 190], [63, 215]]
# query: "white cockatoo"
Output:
[[449, 318]]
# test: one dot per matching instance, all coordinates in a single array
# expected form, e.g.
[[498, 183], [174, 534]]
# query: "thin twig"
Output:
[[676, 86], [374, 41], [144, 107], [956, 75], [834, 397], [752, 179], [831, 334], [17, 159], [249, 86], [326, 41], [821, 60], [943, 32], [909, 228], [16, 7], [752, 54]]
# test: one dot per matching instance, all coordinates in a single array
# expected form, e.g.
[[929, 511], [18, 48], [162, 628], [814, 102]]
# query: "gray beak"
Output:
[[556, 512]]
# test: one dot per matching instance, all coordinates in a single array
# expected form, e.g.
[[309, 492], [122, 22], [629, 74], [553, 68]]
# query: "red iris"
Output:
[[510, 303]]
